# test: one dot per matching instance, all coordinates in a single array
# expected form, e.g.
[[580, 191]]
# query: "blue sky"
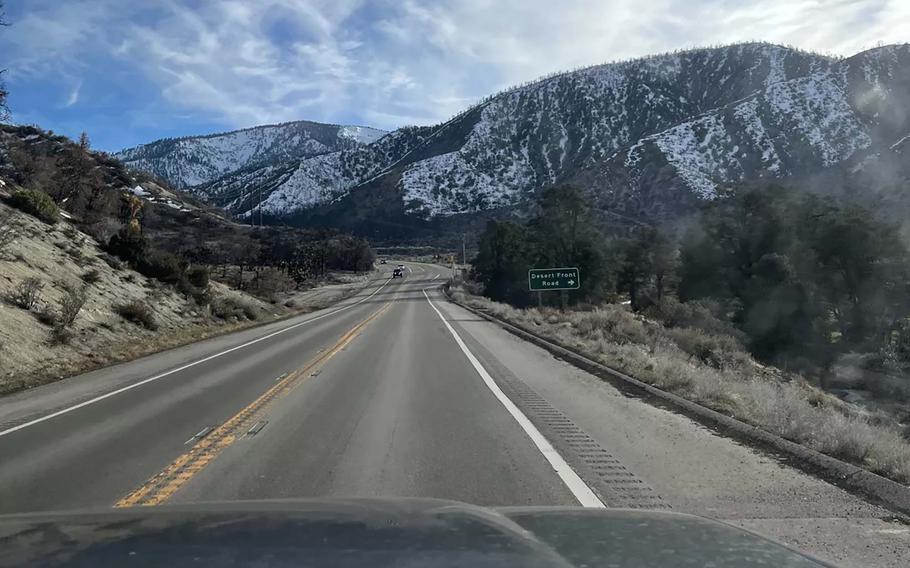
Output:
[[131, 71]]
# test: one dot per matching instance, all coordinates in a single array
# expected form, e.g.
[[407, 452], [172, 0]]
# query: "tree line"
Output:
[[801, 276]]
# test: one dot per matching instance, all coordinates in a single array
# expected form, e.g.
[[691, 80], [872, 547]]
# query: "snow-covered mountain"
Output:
[[194, 160], [829, 119], [647, 137], [290, 185]]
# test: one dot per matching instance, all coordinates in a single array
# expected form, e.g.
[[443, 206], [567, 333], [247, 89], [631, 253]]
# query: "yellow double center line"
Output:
[[161, 486]]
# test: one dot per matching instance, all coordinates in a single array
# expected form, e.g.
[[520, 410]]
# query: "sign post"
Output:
[[542, 279]]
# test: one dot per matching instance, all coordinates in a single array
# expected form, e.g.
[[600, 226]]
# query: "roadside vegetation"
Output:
[[762, 306], [714, 369]]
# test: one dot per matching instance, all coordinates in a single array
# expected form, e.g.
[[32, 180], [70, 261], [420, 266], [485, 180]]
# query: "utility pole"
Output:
[[464, 254], [252, 208]]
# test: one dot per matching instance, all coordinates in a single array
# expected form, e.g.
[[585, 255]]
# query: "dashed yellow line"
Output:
[[163, 485]]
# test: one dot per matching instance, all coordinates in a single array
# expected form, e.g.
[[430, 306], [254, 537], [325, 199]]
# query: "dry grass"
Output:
[[714, 370]]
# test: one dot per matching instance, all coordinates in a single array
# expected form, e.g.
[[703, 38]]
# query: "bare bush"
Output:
[[112, 261], [47, 315], [270, 282], [71, 305], [718, 351], [226, 308], [60, 335], [8, 231], [103, 230], [138, 312], [92, 276], [26, 294]]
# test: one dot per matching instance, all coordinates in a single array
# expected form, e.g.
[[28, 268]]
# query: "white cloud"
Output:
[[73, 97], [389, 62]]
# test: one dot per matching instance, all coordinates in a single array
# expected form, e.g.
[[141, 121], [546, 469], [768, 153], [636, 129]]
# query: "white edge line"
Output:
[[576, 485], [184, 367]]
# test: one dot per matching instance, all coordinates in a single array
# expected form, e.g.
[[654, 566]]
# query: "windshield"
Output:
[[596, 256]]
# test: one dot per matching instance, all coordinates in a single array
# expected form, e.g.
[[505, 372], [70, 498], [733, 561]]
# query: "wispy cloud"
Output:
[[388, 62], [73, 97]]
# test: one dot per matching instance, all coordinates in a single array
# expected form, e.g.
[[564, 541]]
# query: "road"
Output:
[[397, 392]]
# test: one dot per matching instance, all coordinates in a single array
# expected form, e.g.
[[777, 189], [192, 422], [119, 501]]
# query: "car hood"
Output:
[[381, 532]]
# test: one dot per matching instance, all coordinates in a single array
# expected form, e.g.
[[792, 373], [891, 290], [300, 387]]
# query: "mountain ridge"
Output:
[[610, 128], [188, 161]]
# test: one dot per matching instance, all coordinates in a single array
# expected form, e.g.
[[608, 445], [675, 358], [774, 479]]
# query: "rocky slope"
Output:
[[648, 137]]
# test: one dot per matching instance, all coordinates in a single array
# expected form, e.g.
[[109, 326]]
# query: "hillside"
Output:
[[648, 138], [195, 160], [101, 264]]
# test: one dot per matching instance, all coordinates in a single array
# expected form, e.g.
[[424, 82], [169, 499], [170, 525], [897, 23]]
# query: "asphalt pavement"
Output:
[[397, 392]]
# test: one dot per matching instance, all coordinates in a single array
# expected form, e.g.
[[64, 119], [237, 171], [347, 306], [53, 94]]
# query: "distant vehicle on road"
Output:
[[398, 273], [382, 261]]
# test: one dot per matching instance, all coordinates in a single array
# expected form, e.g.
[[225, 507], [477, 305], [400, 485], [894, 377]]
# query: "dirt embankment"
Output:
[[124, 315]]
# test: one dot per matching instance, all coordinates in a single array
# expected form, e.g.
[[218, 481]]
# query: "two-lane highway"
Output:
[[372, 397], [398, 392]]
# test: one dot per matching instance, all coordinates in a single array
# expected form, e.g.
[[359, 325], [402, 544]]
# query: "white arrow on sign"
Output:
[[571, 282]]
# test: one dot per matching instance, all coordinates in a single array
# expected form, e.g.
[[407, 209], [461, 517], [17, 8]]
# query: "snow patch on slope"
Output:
[[361, 134], [818, 108], [316, 180]]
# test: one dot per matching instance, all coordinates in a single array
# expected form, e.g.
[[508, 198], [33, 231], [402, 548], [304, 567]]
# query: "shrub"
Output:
[[60, 335], [249, 310], [164, 266], [269, 282], [112, 261], [92, 276], [71, 305], [198, 276], [718, 351], [225, 307], [128, 245], [47, 316], [8, 232], [700, 314], [138, 312], [195, 284], [36, 203], [26, 294], [104, 230]]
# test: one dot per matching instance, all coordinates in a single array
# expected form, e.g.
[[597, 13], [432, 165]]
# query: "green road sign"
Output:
[[553, 279]]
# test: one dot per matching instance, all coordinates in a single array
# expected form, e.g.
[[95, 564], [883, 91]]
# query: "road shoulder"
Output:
[[691, 468]]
